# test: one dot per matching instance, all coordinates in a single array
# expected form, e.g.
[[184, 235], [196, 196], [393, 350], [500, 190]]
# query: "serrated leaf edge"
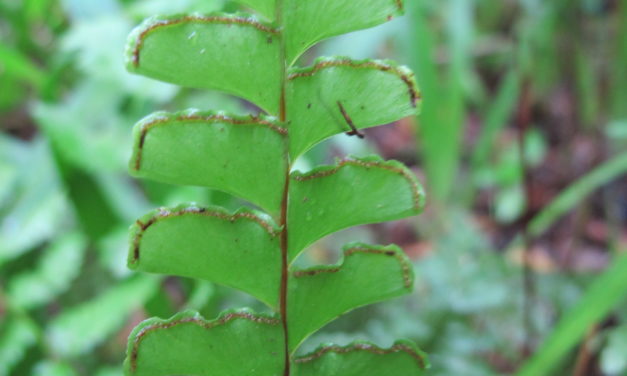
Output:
[[142, 127], [189, 317], [141, 225], [401, 71], [398, 346], [139, 34], [356, 248], [368, 162]]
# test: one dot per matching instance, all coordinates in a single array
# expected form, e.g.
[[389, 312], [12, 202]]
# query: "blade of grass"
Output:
[[619, 89], [608, 290], [573, 195], [460, 24], [441, 120], [587, 90]]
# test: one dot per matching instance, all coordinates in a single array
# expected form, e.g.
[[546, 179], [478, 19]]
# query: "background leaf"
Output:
[[18, 65], [32, 215], [56, 270], [17, 335], [54, 369], [613, 361], [78, 329]]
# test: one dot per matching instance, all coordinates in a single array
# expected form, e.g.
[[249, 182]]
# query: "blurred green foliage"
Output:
[[67, 105]]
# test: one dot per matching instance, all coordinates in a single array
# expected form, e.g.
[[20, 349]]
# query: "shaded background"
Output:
[[521, 145]]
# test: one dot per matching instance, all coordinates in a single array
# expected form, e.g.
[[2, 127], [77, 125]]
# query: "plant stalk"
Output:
[[284, 201], [284, 276], [522, 124]]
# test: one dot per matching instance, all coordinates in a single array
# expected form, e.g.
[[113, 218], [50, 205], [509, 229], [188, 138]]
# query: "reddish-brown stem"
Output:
[[284, 202], [284, 272], [585, 352]]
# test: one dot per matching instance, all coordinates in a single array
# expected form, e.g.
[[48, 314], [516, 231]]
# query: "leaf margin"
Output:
[[138, 35], [385, 65], [143, 223], [353, 248], [163, 118], [402, 345], [187, 316]]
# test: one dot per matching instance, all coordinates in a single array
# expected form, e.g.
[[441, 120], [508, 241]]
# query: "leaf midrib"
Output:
[[284, 200]]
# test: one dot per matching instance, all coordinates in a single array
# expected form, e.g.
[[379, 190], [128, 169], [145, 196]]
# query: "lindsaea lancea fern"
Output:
[[251, 157]]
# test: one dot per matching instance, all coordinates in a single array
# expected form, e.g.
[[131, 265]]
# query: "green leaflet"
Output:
[[363, 359], [369, 92], [239, 250], [236, 343], [368, 274], [233, 53], [354, 192], [230, 153], [310, 21]]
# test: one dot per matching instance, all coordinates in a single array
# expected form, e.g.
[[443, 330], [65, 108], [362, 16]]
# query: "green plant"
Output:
[[251, 157]]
